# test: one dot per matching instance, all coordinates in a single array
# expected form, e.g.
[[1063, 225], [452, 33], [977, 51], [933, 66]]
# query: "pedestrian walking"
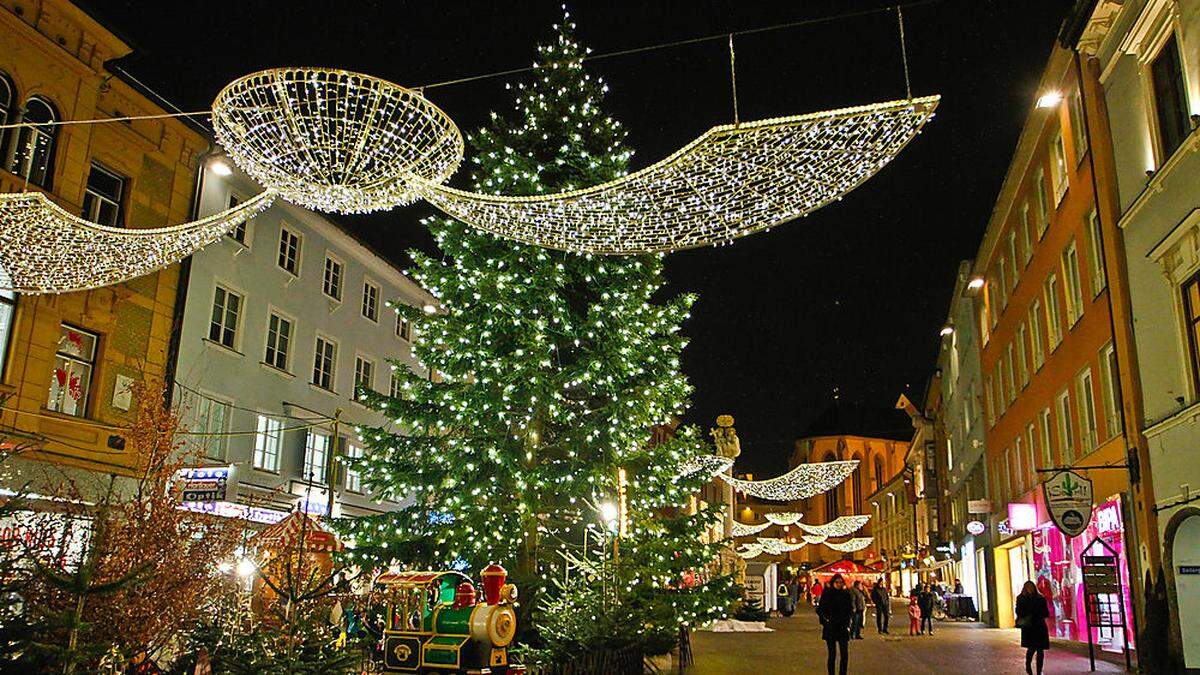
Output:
[[835, 612], [925, 602], [784, 600], [860, 610], [914, 615], [883, 606], [1031, 619], [817, 589]]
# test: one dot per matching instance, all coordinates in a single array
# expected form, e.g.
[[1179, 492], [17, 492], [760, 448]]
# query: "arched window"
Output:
[[33, 156], [857, 488], [7, 95], [880, 479], [831, 497]]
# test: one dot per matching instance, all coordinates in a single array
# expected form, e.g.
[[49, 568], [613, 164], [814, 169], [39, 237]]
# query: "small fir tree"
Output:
[[550, 370]]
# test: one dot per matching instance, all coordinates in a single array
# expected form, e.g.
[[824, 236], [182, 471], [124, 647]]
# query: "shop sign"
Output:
[[1069, 502], [1022, 516], [253, 514], [1004, 528], [207, 484], [1189, 569], [976, 527], [58, 537], [979, 506]]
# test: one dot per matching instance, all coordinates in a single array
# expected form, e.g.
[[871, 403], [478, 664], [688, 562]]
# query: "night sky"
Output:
[[850, 298]]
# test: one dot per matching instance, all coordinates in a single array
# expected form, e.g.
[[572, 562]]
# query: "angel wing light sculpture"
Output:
[[345, 142]]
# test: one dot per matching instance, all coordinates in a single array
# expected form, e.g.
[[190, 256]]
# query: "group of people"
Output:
[[920, 610]]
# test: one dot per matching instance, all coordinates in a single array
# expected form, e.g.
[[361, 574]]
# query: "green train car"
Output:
[[436, 623]]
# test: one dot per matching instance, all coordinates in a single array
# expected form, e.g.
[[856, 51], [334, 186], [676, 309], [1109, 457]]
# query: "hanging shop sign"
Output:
[[207, 484], [1103, 593], [979, 506], [1069, 501], [1022, 516], [976, 527]]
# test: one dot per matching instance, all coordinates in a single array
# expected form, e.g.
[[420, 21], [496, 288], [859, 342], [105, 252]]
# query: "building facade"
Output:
[[1049, 354], [69, 361], [285, 320], [1148, 55], [962, 492]]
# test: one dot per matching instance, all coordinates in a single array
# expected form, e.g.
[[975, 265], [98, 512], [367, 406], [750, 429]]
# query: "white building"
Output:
[[1148, 54], [281, 321]]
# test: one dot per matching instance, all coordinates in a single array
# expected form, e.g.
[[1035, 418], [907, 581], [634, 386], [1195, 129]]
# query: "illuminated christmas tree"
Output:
[[550, 372]]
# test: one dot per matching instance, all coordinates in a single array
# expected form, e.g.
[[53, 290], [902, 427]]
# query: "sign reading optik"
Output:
[[1069, 502]]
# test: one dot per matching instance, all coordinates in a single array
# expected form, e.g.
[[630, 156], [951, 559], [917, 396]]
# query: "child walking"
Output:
[[914, 616]]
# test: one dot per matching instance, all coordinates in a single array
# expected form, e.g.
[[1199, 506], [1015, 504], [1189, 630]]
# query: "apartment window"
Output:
[[1066, 442], [1043, 208], [1026, 241], [403, 328], [289, 251], [993, 307], [238, 233], [227, 308], [7, 94], [370, 301], [1058, 166], [102, 198], [1037, 351], [1019, 462], [353, 477], [1022, 365], [279, 341], [1010, 381], [1031, 447], [1170, 99], [8, 303], [331, 283], [324, 361], [1110, 390], [1008, 476], [1001, 391], [33, 155], [1012, 258], [949, 453], [364, 374], [1079, 137], [1053, 312], [212, 423], [1096, 254], [1002, 270], [74, 360], [267, 438], [1044, 438], [395, 385], [1086, 399], [1074, 289], [316, 457], [988, 404]]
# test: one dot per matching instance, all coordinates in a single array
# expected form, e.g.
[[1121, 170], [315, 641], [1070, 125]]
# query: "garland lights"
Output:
[[784, 518], [802, 482], [45, 249], [710, 465], [779, 546], [814, 538], [851, 545], [744, 530], [838, 527]]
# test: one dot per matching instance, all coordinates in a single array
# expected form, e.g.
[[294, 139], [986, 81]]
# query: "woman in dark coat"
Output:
[[1031, 619], [836, 611]]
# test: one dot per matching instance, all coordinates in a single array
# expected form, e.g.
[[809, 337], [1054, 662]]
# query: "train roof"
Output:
[[417, 578]]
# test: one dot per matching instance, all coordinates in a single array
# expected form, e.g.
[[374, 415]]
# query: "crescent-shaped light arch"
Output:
[[732, 181], [801, 482], [46, 249]]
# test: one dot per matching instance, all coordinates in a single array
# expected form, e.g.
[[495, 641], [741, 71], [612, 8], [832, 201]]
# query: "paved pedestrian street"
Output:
[[796, 648]]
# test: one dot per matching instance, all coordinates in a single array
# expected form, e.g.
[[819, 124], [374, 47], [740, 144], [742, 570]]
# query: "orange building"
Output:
[[68, 360], [1048, 355]]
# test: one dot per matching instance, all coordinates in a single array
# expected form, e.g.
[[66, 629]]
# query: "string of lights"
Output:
[[802, 482]]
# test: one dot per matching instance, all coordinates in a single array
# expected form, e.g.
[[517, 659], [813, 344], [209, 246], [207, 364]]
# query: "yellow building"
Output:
[[69, 359]]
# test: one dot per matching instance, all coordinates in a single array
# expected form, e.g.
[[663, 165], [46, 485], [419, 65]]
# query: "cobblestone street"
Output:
[[795, 647]]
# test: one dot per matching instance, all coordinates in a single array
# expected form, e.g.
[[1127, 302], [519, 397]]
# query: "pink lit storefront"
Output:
[[1056, 564]]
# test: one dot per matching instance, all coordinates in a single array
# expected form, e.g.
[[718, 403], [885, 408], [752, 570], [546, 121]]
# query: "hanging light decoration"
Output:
[[802, 482], [838, 527], [732, 181], [813, 538], [744, 530], [749, 551], [851, 545], [784, 518], [46, 249], [779, 546], [709, 465]]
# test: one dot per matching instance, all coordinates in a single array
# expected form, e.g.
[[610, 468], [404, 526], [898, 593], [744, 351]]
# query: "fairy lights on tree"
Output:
[[552, 369]]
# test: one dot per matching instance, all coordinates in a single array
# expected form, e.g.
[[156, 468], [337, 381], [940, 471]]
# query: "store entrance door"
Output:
[[1185, 555]]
